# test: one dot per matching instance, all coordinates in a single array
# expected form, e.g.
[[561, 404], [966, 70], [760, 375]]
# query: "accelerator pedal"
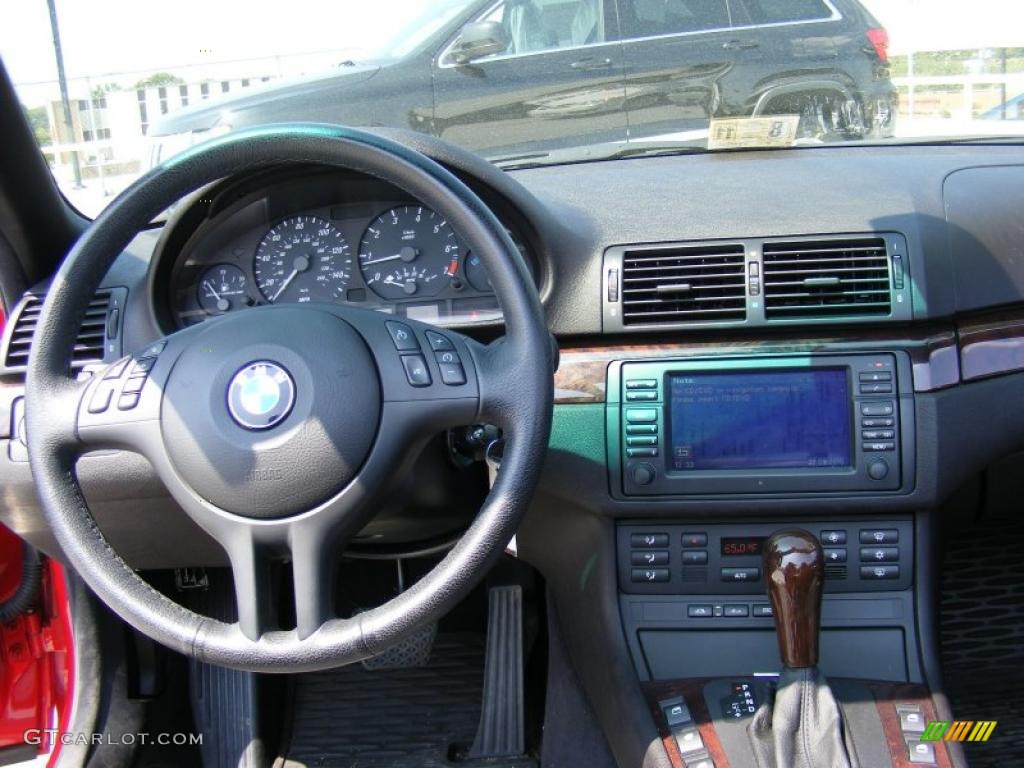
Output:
[[501, 732]]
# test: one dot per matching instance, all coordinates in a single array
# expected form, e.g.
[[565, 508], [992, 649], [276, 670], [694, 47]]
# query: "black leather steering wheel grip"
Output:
[[278, 429]]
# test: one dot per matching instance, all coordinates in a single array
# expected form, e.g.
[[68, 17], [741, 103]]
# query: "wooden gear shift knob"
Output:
[[794, 568]]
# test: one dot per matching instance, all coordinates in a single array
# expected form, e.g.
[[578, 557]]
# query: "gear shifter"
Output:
[[794, 568], [802, 725]]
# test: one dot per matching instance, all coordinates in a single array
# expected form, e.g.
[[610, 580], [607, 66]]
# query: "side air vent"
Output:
[[678, 285], [89, 345], [826, 278]]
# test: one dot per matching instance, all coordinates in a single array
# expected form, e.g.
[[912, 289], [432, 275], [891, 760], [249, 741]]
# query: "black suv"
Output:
[[501, 76]]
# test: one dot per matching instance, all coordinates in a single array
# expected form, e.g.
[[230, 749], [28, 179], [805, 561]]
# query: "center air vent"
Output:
[[826, 278], [699, 284], [89, 345]]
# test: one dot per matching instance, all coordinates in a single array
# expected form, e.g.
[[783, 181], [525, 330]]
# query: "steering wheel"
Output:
[[277, 429]]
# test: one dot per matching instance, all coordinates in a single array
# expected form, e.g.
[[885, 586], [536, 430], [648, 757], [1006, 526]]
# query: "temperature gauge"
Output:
[[222, 289]]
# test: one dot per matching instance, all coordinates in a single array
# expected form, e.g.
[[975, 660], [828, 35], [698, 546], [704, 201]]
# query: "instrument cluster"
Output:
[[324, 242]]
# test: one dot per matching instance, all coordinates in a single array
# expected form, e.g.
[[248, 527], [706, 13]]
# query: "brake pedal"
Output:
[[501, 732], [412, 652]]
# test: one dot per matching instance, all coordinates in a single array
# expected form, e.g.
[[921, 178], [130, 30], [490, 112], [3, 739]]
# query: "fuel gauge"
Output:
[[222, 289]]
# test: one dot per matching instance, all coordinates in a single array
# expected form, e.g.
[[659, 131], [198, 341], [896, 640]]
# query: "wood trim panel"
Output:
[[992, 344], [583, 368], [887, 695]]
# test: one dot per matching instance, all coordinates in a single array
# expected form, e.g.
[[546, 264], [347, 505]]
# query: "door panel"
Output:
[[560, 85]]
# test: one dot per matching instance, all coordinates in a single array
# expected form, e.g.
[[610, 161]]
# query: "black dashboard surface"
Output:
[[566, 217]]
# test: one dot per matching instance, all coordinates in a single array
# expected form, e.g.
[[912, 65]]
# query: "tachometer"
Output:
[[303, 259], [408, 251]]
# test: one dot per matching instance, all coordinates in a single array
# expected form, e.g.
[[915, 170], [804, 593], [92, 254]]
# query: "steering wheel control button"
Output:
[[142, 366], [416, 370], [437, 342], [127, 401], [452, 374], [133, 386], [115, 370], [404, 338], [261, 395], [153, 350], [101, 398]]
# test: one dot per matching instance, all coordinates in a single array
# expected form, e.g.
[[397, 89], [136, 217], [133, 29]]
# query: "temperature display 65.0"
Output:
[[742, 545]]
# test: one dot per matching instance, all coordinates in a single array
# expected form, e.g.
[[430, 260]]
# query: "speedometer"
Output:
[[302, 259], [408, 251]]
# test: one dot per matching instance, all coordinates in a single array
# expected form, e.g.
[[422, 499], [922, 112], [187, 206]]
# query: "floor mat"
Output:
[[982, 634], [408, 718]]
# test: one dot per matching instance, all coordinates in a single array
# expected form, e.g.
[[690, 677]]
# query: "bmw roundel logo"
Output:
[[261, 395]]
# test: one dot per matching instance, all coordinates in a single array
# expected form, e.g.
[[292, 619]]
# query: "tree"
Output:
[[99, 91], [159, 79], [39, 123]]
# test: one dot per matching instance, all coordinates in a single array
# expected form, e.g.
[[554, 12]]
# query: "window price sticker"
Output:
[[753, 132]]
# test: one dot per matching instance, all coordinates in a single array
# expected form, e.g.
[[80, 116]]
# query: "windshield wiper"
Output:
[[594, 152]]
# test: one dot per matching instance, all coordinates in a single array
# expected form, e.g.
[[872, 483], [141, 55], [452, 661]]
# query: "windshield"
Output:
[[111, 87]]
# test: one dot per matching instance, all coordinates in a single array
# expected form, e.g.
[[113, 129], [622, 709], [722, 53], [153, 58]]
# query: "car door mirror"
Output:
[[480, 39]]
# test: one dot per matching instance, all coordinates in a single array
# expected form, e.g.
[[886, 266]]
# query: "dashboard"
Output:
[[317, 236]]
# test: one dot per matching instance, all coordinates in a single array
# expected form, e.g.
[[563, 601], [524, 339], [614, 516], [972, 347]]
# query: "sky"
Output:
[[106, 36]]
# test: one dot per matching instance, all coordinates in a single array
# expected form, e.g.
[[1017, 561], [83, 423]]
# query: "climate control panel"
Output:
[[725, 559]]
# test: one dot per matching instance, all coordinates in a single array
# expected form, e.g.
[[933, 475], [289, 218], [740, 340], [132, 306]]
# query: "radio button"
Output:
[[649, 440], [650, 575], [879, 572], [878, 408], [641, 395], [886, 536], [641, 429], [648, 540], [879, 446], [878, 434], [643, 415], [648, 558], [833, 537], [874, 423], [878, 470], [638, 453], [835, 554], [642, 474], [875, 376], [695, 557], [642, 384], [741, 574], [879, 554], [694, 540]]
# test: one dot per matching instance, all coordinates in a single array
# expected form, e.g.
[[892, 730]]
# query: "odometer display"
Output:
[[303, 259], [742, 545]]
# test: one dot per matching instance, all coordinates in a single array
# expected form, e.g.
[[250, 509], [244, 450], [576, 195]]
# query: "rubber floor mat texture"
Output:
[[982, 626], [353, 717]]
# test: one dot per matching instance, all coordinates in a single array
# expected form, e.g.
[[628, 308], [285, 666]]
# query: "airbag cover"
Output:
[[309, 456]]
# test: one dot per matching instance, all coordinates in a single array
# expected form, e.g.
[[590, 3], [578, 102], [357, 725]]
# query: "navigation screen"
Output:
[[762, 420]]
